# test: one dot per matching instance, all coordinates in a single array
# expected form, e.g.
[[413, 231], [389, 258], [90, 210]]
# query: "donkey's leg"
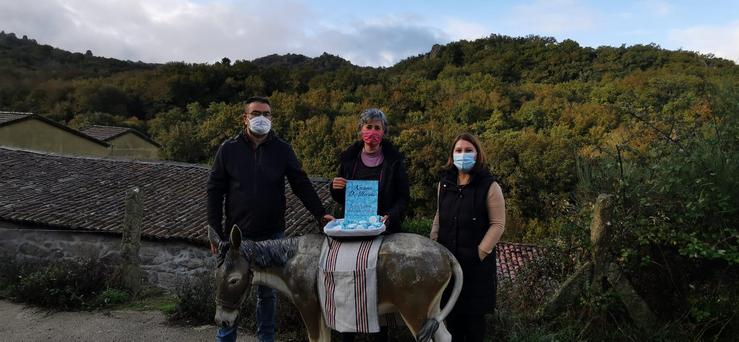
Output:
[[325, 332], [315, 325], [414, 312], [442, 334]]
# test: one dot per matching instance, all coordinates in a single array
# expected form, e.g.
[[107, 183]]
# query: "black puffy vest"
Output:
[[463, 222], [463, 213]]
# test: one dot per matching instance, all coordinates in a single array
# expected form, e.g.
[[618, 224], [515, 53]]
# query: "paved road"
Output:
[[19, 323]]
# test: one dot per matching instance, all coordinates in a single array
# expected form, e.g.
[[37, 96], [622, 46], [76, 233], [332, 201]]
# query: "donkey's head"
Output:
[[233, 277]]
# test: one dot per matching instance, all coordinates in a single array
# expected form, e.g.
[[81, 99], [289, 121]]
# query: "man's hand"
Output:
[[213, 249], [327, 218], [385, 219], [338, 183]]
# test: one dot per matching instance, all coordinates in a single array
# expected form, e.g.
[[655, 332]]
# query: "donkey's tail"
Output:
[[432, 324]]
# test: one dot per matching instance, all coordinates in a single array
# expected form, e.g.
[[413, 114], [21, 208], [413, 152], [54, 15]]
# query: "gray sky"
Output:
[[377, 33]]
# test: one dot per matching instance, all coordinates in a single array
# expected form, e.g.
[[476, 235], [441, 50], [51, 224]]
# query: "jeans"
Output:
[[266, 310], [266, 307]]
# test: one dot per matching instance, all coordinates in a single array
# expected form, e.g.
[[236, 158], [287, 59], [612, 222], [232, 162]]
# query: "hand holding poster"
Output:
[[360, 209]]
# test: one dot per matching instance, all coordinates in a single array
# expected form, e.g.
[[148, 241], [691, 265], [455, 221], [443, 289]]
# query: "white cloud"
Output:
[[659, 7], [722, 41], [378, 43], [459, 29], [554, 17], [206, 31], [159, 31]]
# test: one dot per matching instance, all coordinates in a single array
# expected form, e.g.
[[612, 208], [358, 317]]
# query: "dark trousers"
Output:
[[466, 328], [378, 337]]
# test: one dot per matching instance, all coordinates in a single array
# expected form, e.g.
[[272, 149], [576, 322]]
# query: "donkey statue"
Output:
[[412, 273]]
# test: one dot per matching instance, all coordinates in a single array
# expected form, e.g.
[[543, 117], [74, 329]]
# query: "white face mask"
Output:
[[260, 125]]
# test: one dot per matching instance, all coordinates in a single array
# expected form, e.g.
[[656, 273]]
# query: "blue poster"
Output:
[[361, 200]]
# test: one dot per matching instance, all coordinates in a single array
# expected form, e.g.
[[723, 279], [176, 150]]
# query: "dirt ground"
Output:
[[21, 323]]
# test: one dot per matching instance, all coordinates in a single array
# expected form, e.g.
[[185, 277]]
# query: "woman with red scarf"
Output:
[[375, 158]]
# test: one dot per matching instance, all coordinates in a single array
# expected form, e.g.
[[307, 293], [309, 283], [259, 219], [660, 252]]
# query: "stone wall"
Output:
[[164, 262]]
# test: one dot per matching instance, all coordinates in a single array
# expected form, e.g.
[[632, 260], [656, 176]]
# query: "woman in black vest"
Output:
[[374, 158], [469, 221]]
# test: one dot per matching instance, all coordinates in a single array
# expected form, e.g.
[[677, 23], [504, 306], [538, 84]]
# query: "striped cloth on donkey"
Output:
[[347, 284]]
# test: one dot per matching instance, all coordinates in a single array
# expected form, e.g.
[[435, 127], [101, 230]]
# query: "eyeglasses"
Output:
[[256, 113]]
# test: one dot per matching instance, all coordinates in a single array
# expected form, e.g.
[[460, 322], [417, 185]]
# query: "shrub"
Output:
[[195, 300], [418, 225], [62, 285], [10, 269], [112, 296]]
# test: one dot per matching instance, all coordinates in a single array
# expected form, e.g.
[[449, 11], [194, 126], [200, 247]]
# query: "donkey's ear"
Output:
[[235, 237], [213, 237]]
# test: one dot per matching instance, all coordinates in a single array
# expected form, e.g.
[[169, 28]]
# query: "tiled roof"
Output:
[[89, 194], [86, 193], [511, 256], [106, 133], [6, 117]]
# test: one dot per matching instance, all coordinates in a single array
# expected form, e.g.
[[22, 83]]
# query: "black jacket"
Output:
[[252, 181], [394, 187], [463, 222]]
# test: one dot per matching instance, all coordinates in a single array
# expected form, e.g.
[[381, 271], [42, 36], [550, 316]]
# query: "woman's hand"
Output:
[[384, 219], [434, 235], [338, 183], [328, 218], [482, 254]]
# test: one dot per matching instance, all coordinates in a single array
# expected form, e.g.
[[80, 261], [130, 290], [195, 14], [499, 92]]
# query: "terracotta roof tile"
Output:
[[511, 256]]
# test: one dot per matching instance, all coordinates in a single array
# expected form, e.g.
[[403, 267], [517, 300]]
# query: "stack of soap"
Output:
[[372, 222], [372, 226]]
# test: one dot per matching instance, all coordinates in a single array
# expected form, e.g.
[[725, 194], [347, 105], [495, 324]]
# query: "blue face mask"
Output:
[[464, 161]]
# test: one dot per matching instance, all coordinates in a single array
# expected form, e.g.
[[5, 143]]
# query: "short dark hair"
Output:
[[260, 99], [373, 114], [481, 162]]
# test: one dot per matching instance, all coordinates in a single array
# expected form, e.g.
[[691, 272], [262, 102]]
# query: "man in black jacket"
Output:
[[249, 173]]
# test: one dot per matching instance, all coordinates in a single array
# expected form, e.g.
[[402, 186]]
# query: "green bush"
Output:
[[10, 270], [62, 285], [195, 300], [417, 225], [112, 296]]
